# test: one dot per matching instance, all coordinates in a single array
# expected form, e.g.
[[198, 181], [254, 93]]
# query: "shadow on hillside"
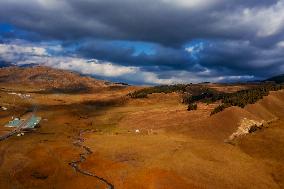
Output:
[[79, 90], [87, 107]]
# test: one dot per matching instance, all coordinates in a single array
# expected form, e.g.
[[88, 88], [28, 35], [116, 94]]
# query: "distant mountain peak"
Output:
[[277, 79]]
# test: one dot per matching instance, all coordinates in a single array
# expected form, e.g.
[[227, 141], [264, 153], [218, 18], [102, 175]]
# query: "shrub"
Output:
[[138, 94], [219, 109], [244, 97], [192, 107], [195, 93], [143, 93]]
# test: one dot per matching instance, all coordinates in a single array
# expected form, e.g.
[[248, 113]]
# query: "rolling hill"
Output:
[[49, 79], [105, 139]]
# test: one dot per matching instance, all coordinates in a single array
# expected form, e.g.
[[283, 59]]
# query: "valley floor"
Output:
[[152, 143]]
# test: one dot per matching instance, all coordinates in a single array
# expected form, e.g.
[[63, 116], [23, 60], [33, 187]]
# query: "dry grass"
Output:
[[174, 148]]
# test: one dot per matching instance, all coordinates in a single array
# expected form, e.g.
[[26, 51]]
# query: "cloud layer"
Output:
[[171, 41]]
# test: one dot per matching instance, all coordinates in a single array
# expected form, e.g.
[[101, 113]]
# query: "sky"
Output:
[[145, 41]]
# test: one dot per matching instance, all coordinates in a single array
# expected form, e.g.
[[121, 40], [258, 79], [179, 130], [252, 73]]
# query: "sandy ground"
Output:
[[151, 143]]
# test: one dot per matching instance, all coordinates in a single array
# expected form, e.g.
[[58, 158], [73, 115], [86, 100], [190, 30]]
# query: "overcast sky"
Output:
[[146, 41]]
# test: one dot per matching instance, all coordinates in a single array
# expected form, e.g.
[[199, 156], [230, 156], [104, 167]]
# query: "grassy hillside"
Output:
[[145, 143], [191, 94], [54, 80]]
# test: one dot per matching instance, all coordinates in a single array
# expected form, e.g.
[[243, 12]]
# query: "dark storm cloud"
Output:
[[241, 58], [242, 37], [164, 57], [161, 21]]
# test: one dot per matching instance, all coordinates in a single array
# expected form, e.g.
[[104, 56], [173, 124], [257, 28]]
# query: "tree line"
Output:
[[193, 93]]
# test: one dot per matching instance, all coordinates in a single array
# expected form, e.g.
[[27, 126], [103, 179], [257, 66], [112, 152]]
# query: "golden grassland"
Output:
[[152, 143]]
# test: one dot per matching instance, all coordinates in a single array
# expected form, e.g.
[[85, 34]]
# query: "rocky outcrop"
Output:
[[247, 126]]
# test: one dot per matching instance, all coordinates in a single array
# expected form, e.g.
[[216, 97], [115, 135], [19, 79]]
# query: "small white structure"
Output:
[[21, 95], [4, 108], [20, 134], [137, 131]]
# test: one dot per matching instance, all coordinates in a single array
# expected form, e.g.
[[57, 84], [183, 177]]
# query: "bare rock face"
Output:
[[247, 126]]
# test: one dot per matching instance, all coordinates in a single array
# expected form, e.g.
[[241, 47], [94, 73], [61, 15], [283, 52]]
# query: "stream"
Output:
[[83, 157]]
